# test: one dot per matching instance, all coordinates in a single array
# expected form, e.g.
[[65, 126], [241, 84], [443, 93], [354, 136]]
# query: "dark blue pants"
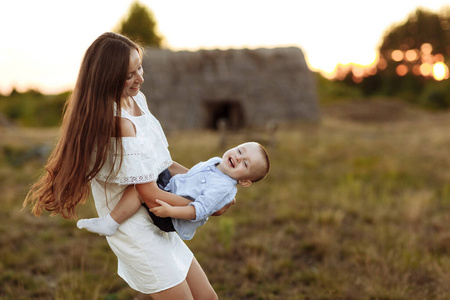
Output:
[[165, 224]]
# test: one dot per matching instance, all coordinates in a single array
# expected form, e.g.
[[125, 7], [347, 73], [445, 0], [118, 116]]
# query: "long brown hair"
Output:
[[88, 124]]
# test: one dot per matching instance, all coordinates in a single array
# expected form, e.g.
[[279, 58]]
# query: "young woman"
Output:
[[109, 140]]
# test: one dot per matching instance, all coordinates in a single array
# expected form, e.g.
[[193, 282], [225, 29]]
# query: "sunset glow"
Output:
[[44, 44], [419, 62]]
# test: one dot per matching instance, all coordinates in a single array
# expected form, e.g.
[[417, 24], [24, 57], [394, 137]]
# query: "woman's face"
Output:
[[134, 76]]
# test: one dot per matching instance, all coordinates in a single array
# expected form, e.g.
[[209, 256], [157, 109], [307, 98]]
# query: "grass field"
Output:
[[356, 207]]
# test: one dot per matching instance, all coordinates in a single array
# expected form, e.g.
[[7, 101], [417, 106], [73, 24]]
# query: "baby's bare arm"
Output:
[[178, 212]]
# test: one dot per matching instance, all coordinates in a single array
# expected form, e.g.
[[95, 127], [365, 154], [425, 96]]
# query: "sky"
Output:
[[42, 42]]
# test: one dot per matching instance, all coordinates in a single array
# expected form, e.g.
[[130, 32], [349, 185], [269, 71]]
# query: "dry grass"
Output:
[[356, 207]]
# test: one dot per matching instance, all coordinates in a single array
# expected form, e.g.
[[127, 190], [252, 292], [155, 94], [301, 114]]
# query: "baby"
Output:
[[211, 184]]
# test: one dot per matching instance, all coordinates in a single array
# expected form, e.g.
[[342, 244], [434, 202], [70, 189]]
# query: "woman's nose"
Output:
[[141, 78]]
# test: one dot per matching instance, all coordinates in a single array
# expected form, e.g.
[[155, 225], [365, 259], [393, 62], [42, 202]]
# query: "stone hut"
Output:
[[246, 88]]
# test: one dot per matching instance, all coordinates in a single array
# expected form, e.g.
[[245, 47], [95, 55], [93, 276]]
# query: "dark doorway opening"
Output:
[[229, 111]]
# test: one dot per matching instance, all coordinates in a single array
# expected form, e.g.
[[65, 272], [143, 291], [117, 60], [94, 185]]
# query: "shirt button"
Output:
[[203, 181]]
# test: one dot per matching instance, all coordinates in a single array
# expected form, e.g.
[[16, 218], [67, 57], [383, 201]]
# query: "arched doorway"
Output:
[[230, 111]]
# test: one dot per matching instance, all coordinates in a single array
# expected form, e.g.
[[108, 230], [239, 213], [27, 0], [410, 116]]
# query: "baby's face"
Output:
[[242, 162]]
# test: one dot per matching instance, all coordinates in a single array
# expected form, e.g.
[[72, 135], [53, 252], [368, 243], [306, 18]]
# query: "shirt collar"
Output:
[[212, 163]]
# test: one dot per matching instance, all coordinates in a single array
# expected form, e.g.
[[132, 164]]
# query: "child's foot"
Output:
[[103, 226]]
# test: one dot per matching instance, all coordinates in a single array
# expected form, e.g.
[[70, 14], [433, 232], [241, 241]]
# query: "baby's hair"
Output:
[[263, 173]]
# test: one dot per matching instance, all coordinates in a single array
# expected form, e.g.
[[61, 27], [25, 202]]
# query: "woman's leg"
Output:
[[199, 284], [179, 292], [196, 286]]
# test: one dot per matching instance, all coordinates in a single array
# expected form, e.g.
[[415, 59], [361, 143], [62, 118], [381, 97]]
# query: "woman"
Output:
[[110, 140]]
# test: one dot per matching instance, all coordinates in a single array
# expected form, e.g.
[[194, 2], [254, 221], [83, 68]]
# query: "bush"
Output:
[[33, 109], [330, 91], [436, 95]]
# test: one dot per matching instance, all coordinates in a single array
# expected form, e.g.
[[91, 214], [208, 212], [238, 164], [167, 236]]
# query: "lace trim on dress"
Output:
[[135, 179]]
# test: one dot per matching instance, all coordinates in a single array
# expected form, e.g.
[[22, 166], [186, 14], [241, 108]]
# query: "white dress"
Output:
[[149, 260]]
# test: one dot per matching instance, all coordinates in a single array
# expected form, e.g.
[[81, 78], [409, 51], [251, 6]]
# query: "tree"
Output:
[[423, 38], [406, 58], [140, 26], [421, 27]]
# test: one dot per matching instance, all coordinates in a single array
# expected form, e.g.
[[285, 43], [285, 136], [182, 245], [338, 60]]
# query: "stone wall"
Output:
[[246, 87]]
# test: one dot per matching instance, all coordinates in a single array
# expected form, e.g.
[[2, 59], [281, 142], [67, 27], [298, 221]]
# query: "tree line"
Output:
[[413, 62], [424, 38]]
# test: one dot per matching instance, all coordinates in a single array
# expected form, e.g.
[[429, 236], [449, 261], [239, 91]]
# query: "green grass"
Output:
[[350, 210]]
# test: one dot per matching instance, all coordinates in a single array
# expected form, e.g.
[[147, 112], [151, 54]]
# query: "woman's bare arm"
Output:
[[176, 168], [150, 191]]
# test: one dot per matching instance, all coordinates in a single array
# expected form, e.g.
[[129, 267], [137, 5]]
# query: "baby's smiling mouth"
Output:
[[230, 160]]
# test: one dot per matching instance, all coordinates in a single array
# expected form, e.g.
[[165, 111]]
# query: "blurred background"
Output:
[[357, 204]]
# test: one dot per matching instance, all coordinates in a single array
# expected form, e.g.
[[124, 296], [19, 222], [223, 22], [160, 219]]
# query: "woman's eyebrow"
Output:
[[136, 69]]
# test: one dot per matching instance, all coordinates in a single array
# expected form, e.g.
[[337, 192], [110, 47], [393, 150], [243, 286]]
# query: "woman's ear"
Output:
[[245, 183]]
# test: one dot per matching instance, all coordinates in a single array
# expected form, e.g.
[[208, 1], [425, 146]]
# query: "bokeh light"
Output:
[[440, 71], [411, 55], [382, 63], [397, 55], [358, 71], [420, 62], [416, 70], [401, 70], [426, 69], [439, 58], [371, 71], [427, 58], [426, 48]]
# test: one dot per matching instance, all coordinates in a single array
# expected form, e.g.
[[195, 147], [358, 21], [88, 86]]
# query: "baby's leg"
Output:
[[127, 206]]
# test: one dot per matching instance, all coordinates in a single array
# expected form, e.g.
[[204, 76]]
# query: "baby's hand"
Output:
[[163, 210], [224, 209]]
